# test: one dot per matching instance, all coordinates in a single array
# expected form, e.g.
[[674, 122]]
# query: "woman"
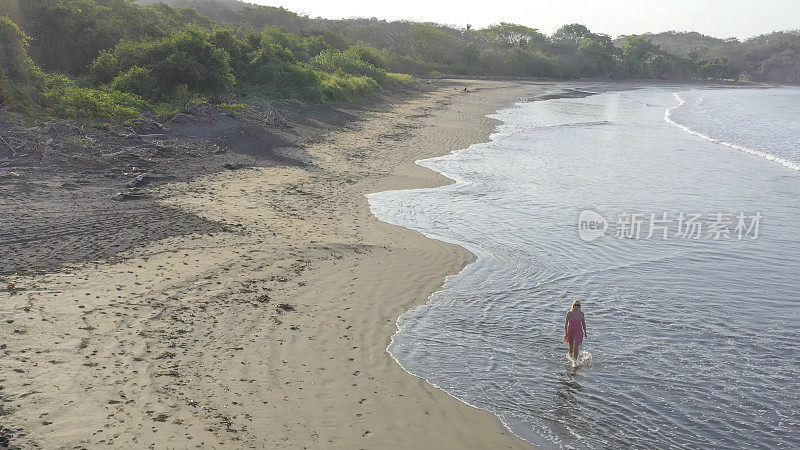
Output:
[[574, 328]]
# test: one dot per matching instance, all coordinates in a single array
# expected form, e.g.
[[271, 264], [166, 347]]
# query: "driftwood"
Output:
[[129, 195], [139, 180], [272, 117], [13, 150], [39, 140]]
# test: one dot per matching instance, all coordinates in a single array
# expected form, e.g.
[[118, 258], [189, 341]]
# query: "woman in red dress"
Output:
[[574, 328]]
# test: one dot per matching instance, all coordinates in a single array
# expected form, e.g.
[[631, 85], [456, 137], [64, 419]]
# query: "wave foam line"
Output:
[[769, 156], [501, 130]]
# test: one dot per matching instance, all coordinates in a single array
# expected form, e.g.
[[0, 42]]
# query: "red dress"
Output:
[[574, 330]]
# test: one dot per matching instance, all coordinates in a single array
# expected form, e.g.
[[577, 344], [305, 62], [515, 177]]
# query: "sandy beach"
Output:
[[256, 224], [270, 329]]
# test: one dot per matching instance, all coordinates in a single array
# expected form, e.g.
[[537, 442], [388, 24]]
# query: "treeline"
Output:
[[101, 58], [508, 49], [773, 57], [504, 49], [97, 59]]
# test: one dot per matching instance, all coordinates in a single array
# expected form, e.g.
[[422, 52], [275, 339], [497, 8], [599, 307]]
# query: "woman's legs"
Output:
[[573, 350]]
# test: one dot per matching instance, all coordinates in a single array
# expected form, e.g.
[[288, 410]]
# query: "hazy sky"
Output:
[[720, 18]]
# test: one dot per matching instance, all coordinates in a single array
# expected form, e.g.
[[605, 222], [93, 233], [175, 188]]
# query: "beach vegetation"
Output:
[[155, 69], [26, 88], [117, 58], [233, 107]]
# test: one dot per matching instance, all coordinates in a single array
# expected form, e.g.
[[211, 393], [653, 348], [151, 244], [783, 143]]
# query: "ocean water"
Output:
[[764, 122], [693, 336]]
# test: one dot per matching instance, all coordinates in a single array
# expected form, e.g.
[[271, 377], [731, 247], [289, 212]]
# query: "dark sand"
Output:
[[61, 204]]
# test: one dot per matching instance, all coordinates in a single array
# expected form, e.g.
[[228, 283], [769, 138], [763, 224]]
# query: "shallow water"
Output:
[[691, 342]]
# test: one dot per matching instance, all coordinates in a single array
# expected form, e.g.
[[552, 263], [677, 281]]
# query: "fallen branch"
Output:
[[13, 150]]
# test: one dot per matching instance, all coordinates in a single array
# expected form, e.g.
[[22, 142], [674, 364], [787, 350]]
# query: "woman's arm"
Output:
[[583, 320], [566, 322]]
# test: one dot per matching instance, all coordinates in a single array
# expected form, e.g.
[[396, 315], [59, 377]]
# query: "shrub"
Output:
[[291, 44], [281, 80], [25, 88], [69, 34], [15, 64], [62, 98], [105, 67], [407, 64], [350, 62], [166, 110], [238, 50], [269, 52], [233, 107], [397, 79], [278, 79], [18, 75], [20, 97], [184, 58], [136, 80], [370, 55], [314, 45], [341, 86]]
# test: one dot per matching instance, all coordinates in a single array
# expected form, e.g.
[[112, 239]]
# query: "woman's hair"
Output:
[[574, 304]]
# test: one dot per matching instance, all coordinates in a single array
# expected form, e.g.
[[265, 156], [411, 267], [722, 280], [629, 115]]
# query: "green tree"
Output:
[[433, 45], [511, 35], [599, 52], [638, 52], [571, 35]]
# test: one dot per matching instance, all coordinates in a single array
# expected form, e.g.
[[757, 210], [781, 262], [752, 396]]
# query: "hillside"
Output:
[[681, 42], [112, 59]]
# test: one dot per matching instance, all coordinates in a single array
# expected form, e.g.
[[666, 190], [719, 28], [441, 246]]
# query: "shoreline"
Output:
[[209, 338], [455, 179], [272, 331], [561, 90]]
